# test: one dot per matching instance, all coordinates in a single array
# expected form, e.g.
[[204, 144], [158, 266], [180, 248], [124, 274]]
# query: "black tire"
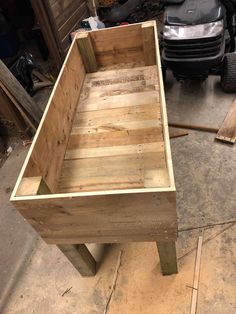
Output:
[[228, 75]]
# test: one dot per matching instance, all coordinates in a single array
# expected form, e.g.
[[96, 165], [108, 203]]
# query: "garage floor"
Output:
[[41, 280]]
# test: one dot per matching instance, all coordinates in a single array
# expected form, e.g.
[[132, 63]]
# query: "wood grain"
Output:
[[227, 132]]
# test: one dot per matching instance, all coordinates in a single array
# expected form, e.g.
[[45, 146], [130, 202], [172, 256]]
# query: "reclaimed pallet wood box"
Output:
[[99, 169]]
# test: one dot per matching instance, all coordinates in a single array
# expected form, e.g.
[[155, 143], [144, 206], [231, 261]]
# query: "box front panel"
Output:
[[103, 219]]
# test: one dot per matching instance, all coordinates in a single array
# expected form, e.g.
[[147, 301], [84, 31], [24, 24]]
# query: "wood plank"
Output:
[[119, 75], [113, 127], [48, 148], [10, 113], [73, 20], [127, 137], [149, 43], [202, 128], [27, 118], [177, 133], [96, 92], [113, 165], [18, 92], [196, 276], [120, 171], [227, 131], [120, 101], [168, 258], [80, 258], [47, 31], [87, 53], [32, 186], [104, 218], [116, 115], [114, 150]]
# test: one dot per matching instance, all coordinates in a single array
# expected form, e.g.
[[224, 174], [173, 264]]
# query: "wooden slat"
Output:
[[114, 150], [47, 30], [121, 171], [73, 21], [117, 115], [168, 259], [227, 132], [18, 92], [120, 101], [113, 127], [20, 111], [9, 112]]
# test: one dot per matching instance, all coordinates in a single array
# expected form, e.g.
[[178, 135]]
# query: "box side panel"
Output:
[[49, 146], [118, 45], [103, 219]]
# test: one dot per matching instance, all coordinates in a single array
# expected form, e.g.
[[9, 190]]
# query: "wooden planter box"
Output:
[[99, 169]]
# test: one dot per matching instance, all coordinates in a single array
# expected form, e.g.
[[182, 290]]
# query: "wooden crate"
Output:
[[99, 169]]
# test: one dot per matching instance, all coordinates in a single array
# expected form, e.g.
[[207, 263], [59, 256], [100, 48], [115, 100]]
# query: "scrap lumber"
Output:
[[196, 276], [227, 132], [18, 108], [177, 133], [10, 113], [18, 92], [193, 127]]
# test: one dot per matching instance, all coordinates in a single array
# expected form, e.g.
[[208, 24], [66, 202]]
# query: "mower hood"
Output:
[[194, 12]]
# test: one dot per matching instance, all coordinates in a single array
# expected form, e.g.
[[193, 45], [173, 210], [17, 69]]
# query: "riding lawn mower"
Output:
[[198, 36]]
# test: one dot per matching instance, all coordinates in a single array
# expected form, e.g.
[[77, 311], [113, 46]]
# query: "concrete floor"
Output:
[[205, 180]]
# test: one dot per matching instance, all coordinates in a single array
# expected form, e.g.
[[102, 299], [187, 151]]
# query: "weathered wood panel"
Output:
[[48, 151], [103, 219], [122, 46]]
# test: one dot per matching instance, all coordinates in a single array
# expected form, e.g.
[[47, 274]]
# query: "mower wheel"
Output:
[[228, 75]]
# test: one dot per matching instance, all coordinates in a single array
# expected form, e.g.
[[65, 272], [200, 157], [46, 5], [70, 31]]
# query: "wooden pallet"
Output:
[[99, 169]]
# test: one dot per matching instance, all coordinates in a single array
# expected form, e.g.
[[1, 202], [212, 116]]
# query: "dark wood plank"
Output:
[[19, 93], [80, 258], [168, 258]]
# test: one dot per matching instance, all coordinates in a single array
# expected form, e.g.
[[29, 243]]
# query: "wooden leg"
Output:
[[168, 258], [80, 257]]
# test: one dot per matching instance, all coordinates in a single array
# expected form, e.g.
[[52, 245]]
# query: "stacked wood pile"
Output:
[[15, 103]]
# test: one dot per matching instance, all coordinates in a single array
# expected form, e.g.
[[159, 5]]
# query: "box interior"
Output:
[[103, 130]]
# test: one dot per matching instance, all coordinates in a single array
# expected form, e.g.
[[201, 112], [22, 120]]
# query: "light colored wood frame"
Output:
[[152, 211]]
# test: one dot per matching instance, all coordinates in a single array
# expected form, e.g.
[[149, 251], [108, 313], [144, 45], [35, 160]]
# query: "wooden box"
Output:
[[99, 169]]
